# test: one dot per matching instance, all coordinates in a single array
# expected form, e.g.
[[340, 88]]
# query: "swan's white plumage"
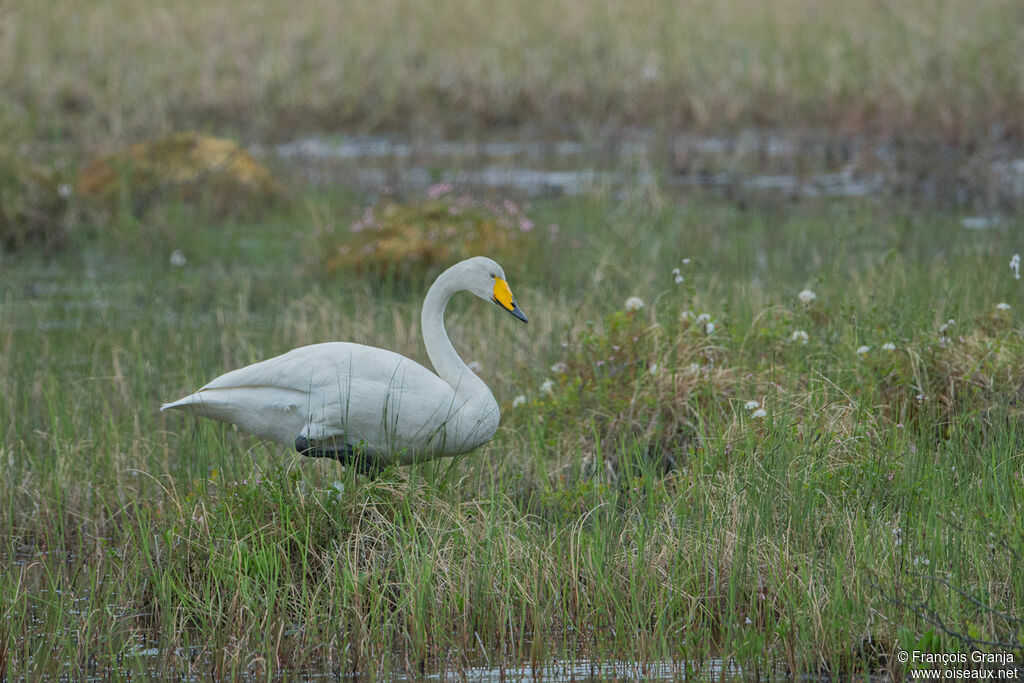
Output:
[[387, 406]]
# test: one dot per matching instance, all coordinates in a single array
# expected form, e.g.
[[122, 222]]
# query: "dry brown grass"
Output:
[[118, 70]]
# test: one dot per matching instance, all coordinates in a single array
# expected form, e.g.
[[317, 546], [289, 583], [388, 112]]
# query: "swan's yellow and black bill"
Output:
[[503, 297]]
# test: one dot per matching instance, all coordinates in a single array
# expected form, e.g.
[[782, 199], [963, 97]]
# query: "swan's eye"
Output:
[[493, 276]]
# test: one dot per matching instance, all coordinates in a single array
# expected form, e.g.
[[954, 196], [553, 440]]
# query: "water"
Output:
[[554, 671], [56, 298], [585, 670], [751, 163]]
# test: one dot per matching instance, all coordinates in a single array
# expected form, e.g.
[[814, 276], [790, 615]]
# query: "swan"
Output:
[[367, 406]]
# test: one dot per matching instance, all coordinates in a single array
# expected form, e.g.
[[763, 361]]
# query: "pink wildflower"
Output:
[[438, 190]]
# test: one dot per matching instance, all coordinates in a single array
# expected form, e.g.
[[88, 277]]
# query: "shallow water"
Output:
[[584, 670], [555, 671], [751, 163]]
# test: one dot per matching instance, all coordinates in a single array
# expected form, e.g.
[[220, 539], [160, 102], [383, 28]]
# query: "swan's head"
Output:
[[485, 278]]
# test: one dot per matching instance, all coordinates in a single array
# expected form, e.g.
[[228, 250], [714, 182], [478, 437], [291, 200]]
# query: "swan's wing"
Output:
[[298, 370], [379, 403], [330, 394]]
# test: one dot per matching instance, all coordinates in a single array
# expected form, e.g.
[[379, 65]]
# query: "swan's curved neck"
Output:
[[447, 363]]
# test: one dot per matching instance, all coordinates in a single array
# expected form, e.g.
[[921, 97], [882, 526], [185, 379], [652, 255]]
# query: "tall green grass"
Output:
[[637, 511]]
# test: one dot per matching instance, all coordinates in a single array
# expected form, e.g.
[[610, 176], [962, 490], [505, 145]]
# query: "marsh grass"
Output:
[[105, 71], [638, 511]]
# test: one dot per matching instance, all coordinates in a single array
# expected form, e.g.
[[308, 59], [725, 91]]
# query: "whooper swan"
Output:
[[366, 406]]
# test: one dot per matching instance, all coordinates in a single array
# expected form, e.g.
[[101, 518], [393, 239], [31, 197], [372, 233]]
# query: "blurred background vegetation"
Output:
[[99, 73], [80, 82]]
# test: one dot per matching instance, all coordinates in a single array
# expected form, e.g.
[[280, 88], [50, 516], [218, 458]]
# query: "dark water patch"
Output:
[[794, 164], [587, 670], [553, 671]]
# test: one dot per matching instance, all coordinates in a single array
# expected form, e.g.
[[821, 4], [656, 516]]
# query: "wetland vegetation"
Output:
[[99, 71], [796, 482], [745, 434]]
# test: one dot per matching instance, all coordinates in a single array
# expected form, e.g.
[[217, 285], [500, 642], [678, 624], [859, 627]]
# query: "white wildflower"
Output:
[[634, 303], [888, 346], [677, 276], [650, 70], [337, 486], [921, 560], [863, 349], [800, 336], [64, 190], [693, 367], [759, 414], [559, 368], [475, 366], [709, 328], [703, 318], [897, 536], [548, 387], [178, 258], [752, 405], [1015, 266], [518, 401], [1002, 306], [653, 369], [807, 296], [686, 261]]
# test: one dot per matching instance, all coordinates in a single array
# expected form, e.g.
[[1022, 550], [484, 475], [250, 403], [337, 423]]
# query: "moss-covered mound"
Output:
[[417, 239], [184, 166]]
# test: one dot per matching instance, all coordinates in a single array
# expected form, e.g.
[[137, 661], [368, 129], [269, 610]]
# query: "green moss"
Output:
[[413, 241]]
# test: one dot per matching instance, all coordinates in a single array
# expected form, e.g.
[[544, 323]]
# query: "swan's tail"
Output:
[[262, 411], [180, 403]]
